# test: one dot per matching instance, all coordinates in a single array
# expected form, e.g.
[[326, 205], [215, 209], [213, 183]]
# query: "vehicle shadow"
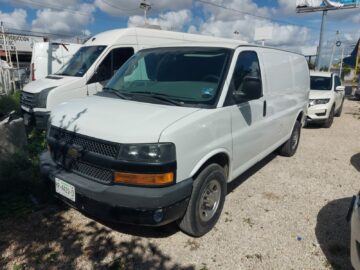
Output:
[[49, 239], [314, 126], [137, 230], [250, 172], [355, 161], [333, 233]]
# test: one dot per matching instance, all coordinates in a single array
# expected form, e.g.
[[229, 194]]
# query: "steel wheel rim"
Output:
[[209, 200]]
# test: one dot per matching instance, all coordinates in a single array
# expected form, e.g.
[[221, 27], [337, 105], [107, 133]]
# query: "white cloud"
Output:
[[131, 7], [70, 22], [284, 35], [15, 19], [169, 21], [228, 10]]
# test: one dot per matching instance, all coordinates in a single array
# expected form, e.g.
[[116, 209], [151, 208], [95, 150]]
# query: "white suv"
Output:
[[172, 127], [326, 98]]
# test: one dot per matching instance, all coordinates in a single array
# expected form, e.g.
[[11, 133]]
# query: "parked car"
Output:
[[326, 98], [354, 217], [91, 67], [172, 127], [48, 57], [357, 93]]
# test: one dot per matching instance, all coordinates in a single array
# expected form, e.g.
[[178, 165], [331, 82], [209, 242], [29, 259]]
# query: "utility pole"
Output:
[[323, 21], [146, 7], [333, 50], [356, 67]]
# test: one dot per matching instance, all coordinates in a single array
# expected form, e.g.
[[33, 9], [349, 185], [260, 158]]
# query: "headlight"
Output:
[[148, 153], [313, 102], [43, 97]]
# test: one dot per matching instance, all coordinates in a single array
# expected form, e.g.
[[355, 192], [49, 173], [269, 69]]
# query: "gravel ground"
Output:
[[285, 213]]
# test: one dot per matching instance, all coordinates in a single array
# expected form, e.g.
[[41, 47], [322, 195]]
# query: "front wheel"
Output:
[[289, 148], [338, 113], [330, 120], [206, 202]]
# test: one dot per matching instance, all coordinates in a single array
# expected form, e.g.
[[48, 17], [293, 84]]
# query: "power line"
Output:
[[43, 33], [37, 4], [261, 17], [120, 8]]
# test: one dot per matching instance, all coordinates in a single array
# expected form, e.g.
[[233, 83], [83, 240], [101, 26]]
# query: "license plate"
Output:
[[65, 189]]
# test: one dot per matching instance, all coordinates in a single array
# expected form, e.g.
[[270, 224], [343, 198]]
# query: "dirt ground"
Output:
[[284, 213]]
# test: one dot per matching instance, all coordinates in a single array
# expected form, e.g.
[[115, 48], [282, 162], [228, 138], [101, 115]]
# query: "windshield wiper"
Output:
[[158, 96], [115, 92]]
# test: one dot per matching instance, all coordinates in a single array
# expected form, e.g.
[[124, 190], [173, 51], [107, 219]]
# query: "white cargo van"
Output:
[[172, 127], [49, 57], [91, 67]]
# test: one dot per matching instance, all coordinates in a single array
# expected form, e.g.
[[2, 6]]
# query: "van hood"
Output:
[[319, 94], [117, 120], [51, 81]]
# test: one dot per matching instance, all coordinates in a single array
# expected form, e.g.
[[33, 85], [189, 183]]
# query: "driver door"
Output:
[[108, 67]]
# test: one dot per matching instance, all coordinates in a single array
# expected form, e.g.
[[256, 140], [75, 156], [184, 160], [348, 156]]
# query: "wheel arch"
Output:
[[220, 156]]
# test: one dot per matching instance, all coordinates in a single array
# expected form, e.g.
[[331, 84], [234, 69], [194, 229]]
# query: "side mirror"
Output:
[[340, 88], [250, 89]]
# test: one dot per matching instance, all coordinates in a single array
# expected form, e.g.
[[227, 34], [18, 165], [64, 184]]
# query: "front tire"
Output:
[[289, 148], [330, 120], [206, 202], [338, 113]]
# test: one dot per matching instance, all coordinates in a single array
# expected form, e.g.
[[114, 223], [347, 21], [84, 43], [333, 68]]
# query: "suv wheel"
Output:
[[338, 113], [206, 202], [330, 120]]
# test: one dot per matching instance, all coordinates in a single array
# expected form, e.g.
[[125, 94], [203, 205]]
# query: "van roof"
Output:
[[116, 36]]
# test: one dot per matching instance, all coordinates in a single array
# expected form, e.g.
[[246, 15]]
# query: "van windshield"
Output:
[[186, 76], [321, 83], [81, 61]]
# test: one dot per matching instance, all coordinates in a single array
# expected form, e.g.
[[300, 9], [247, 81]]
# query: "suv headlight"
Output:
[[43, 97], [148, 153], [313, 102]]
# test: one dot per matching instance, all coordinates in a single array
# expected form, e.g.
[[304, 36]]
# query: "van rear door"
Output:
[[107, 67]]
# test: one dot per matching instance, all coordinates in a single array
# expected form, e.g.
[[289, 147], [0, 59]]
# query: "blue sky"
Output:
[[88, 17]]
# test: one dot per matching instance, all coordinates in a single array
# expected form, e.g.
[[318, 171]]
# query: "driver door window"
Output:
[[112, 62], [246, 82]]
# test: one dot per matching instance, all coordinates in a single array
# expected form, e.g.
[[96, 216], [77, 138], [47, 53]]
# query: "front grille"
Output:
[[94, 173], [89, 144], [28, 100]]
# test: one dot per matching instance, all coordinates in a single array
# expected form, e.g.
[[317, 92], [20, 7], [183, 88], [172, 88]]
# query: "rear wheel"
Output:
[[289, 148], [206, 202], [330, 120]]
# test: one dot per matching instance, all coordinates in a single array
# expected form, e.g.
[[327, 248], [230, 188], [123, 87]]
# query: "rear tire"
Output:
[[206, 202], [338, 113], [330, 120], [289, 148]]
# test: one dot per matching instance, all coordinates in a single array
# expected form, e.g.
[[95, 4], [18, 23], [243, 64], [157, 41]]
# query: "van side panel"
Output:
[[198, 135], [287, 80]]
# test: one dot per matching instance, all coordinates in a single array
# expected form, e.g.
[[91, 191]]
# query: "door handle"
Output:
[[264, 108]]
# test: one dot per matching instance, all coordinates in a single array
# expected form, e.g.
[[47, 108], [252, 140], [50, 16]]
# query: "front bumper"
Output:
[[37, 119], [318, 113], [120, 203], [355, 234]]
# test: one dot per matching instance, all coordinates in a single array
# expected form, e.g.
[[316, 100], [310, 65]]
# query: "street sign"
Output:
[[322, 5]]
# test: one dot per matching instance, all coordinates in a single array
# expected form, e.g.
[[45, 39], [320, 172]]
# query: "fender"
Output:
[[210, 155]]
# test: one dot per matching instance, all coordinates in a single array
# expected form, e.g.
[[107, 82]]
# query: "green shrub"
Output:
[[22, 188], [9, 103]]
